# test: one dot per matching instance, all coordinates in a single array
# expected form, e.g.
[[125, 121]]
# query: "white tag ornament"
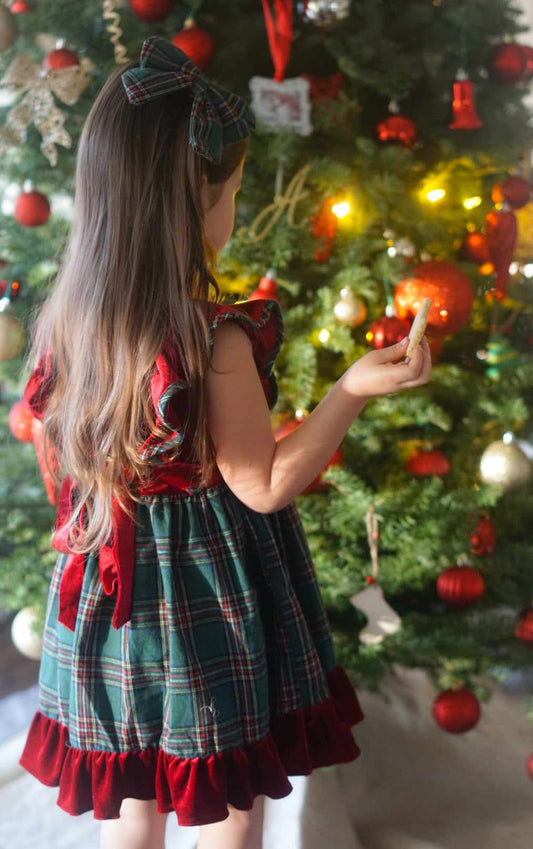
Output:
[[282, 105]]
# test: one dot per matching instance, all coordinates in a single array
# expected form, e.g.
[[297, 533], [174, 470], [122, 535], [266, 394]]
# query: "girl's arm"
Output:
[[264, 474]]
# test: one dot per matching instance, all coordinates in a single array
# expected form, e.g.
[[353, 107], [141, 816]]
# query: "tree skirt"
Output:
[[413, 787]]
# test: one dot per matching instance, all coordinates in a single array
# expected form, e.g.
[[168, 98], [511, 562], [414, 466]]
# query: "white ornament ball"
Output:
[[505, 464], [24, 637], [349, 311]]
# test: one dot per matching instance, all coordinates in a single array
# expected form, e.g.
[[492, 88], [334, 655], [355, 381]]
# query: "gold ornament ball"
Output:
[[12, 336], [505, 464], [349, 311], [524, 243], [8, 32]]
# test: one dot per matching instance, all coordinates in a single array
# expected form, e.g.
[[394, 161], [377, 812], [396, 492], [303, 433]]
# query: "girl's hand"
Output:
[[384, 372]]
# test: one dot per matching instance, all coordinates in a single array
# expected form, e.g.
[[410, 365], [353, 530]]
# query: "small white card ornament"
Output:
[[282, 105], [382, 619]]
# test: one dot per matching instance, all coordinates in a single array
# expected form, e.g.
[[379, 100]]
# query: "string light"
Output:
[[471, 203], [324, 335], [341, 209], [435, 194], [528, 269]]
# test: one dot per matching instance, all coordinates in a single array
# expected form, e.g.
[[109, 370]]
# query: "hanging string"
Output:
[[372, 534], [279, 32]]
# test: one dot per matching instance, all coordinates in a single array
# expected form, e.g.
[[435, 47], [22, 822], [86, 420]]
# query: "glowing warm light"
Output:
[[392, 251], [507, 438], [324, 335], [443, 313], [435, 194], [513, 268], [528, 269], [471, 203], [299, 414], [341, 210], [369, 336], [486, 268]]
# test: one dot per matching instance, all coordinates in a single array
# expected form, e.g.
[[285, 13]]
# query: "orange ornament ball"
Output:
[[21, 421], [449, 289], [196, 43]]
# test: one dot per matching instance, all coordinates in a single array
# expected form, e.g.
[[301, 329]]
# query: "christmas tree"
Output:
[[392, 164]]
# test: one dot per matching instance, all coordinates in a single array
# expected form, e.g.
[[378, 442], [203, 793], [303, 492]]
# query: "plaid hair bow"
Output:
[[218, 117]]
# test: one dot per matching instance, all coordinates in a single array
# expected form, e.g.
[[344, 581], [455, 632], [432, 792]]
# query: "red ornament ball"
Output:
[[514, 190], [18, 7], [386, 331], [150, 10], [460, 586], [61, 58], [196, 43], [32, 209], [336, 460], [483, 539], [456, 711], [475, 247], [20, 421], [524, 626], [508, 63], [397, 128], [428, 463], [447, 286]]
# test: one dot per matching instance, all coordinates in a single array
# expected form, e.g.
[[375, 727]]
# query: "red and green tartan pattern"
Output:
[[228, 629]]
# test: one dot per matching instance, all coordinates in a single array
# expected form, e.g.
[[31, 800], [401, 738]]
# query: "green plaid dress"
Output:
[[224, 681]]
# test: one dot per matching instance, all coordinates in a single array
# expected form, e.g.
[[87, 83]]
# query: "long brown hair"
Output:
[[134, 269]]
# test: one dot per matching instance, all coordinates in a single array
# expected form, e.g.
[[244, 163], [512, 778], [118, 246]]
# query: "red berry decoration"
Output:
[[460, 586], [447, 286], [397, 128], [386, 331], [150, 10], [475, 247], [32, 209], [428, 463], [483, 539], [196, 43], [524, 626], [508, 64], [268, 288], [336, 460], [456, 711], [514, 190], [61, 58], [20, 421]]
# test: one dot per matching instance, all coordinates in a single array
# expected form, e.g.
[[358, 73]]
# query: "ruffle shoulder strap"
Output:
[[263, 322]]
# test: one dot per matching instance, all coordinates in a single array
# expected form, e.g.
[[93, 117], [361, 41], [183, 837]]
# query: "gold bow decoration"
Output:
[[38, 105]]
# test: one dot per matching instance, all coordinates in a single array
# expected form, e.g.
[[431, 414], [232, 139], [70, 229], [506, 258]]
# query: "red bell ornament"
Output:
[[387, 330], [524, 626], [448, 287], [483, 539], [463, 107], [460, 586], [21, 421], [397, 128], [268, 288], [513, 190], [428, 463], [456, 711]]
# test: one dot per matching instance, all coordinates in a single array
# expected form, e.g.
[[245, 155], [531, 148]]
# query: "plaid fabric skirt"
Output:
[[223, 683]]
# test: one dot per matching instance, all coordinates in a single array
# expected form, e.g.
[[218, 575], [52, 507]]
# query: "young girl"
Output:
[[187, 663]]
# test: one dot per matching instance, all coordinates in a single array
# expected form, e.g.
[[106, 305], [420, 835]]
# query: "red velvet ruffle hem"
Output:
[[197, 789]]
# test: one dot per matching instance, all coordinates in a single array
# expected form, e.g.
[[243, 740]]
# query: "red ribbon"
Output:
[[279, 31], [116, 560]]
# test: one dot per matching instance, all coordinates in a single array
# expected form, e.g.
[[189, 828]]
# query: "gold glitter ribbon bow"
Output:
[[38, 105]]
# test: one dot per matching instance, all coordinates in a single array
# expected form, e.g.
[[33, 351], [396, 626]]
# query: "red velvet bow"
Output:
[[116, 560]]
